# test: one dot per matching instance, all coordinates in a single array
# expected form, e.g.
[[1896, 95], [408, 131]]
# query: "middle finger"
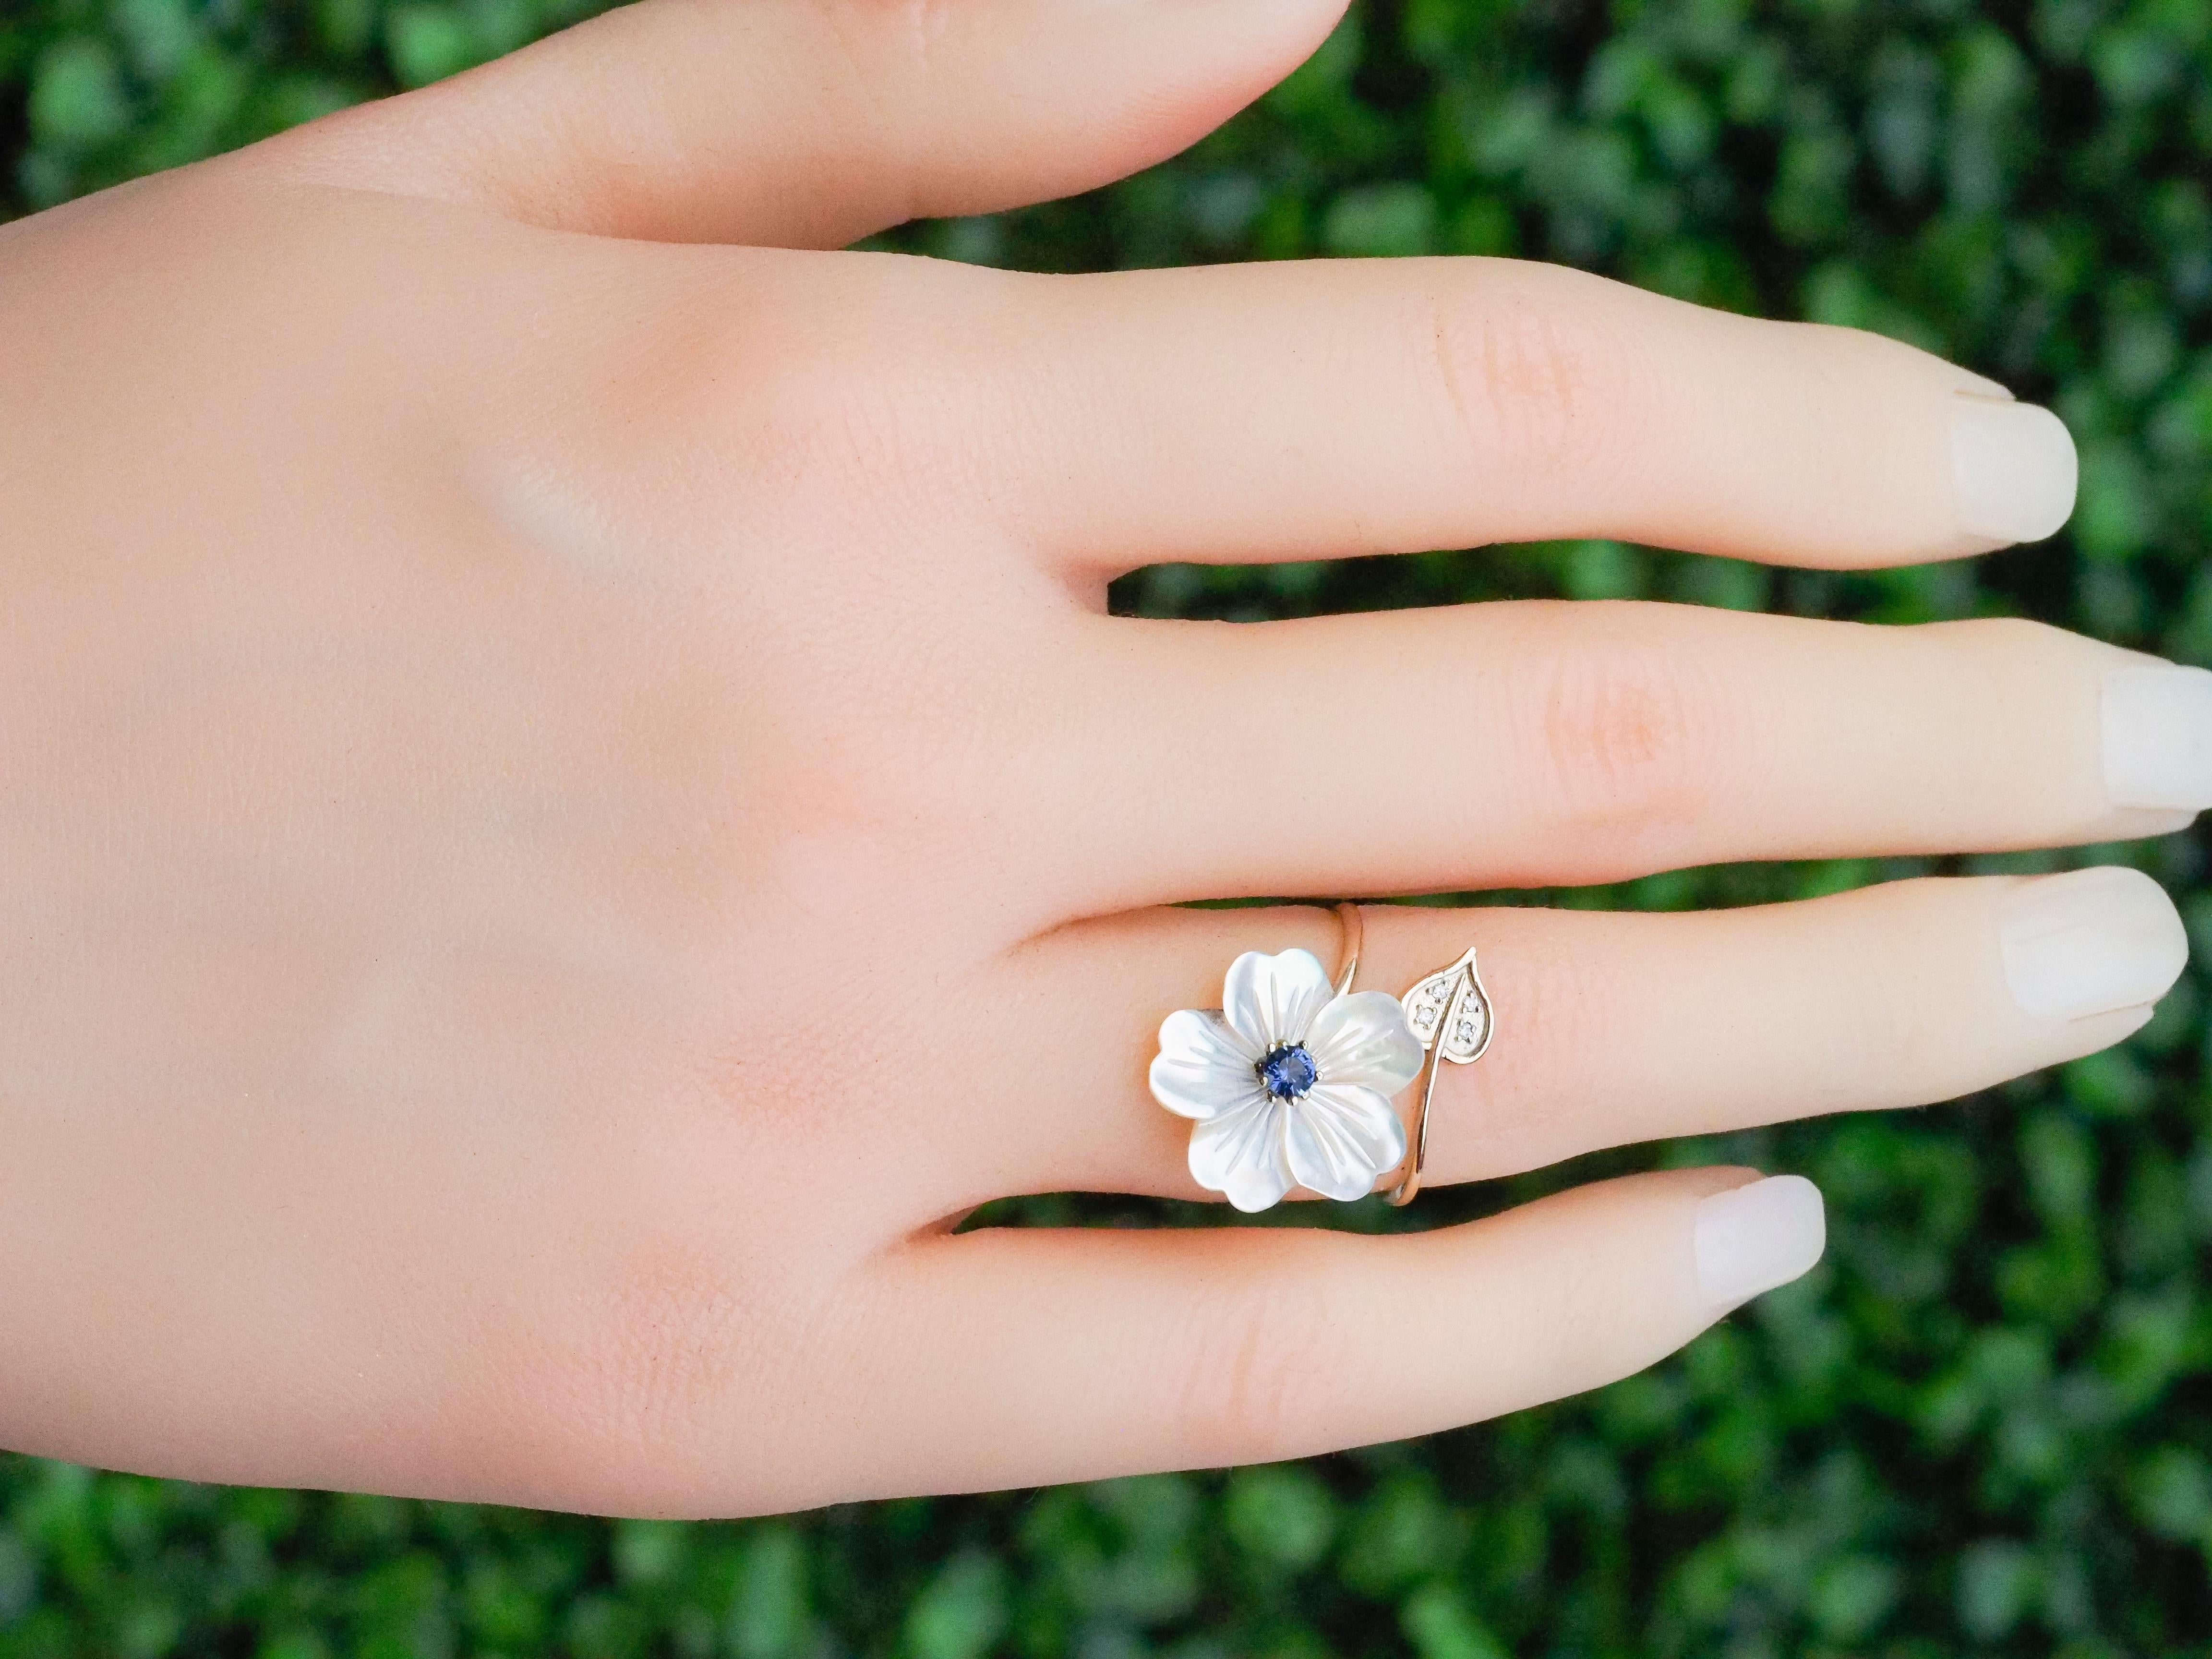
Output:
[[1538, 744]]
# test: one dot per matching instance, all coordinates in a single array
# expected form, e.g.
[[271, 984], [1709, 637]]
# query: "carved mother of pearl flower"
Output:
[[1290, 1084]]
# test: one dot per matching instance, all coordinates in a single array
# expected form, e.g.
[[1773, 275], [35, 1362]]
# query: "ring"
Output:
[[1292, 1081]]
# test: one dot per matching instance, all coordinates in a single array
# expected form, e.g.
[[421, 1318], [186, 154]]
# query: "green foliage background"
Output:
[[1985, 1426]]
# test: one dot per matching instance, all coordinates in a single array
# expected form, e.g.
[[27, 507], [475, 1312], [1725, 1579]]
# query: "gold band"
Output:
[[1352, 930], [1460, 1031], [1417, 1150]]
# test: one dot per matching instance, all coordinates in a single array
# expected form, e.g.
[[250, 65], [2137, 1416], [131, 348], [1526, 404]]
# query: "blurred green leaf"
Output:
[[428, 43], [1852, 1596], [962, 1613], [1381, 220], [770, 1609], [1281, 1513], [77, 99], [1997, 1583], [1440, 1627]]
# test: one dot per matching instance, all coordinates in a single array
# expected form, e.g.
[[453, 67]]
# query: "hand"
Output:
[[569, 802]]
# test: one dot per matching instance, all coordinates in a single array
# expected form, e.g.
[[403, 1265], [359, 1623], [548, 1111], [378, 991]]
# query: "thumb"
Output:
[[812, 122]]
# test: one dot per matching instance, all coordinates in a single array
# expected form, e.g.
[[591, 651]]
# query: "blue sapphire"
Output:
[[1288, 1072]]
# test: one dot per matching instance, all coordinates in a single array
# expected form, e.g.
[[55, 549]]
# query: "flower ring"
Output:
[[1290, 1082]]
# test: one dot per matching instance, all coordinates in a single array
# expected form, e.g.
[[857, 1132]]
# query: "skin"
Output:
[[571, 804]]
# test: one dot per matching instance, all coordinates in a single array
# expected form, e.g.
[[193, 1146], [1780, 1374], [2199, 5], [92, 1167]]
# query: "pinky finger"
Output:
[[1036, 1356]]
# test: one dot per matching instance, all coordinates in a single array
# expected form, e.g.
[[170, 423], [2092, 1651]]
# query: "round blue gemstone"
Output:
[[1287, 1072]]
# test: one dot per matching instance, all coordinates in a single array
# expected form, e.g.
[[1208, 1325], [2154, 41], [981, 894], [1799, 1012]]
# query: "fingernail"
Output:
[[2158, 737], [2014, 468], [2090, 942], [1752, 1238]]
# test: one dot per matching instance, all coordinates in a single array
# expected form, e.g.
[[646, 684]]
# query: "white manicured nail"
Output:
[[2158, 737], [2090, 942], [1752, 1238], [2014, 468]]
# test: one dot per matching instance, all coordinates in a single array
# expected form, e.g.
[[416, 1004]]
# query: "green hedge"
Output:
[[1985, 1424]]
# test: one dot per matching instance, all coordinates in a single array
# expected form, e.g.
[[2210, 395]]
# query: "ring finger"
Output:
[[1614, 1028]]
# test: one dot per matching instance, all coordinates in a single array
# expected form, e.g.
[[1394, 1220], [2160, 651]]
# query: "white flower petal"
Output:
[[1240, 1154], [1203, 1067], [1365, 1038], [1339, 1138], [1273, 1000]]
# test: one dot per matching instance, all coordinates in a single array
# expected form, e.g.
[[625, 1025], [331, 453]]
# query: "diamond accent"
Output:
[[1424, 1011]]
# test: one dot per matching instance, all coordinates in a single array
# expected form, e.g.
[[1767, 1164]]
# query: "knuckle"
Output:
[[1874, 1039], [809, 413], [774, 379], [915, 27], [617, 1382], [667, 1345], [661, 1341], [1845, 361], [1868, 1034], [2012, 693], [1258, 1373], [894, 43], [1631, 736], [1604, 1312], [1525, 387]]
